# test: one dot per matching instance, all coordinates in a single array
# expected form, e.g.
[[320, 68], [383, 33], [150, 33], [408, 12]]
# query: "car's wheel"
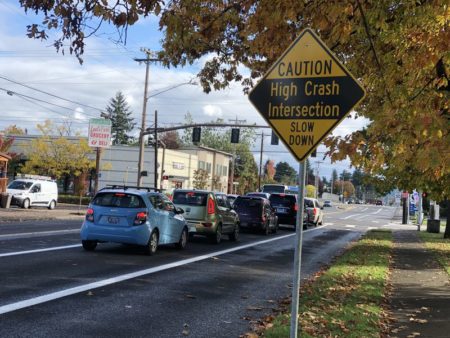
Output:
[[26, 203], [152, 244], [52, 205], [275, 228], [266, 230], [183, 240], [235, 235], [89, 245], [217, 237]]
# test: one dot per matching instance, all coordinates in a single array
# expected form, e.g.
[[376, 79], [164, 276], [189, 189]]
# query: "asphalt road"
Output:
[[50, 287]]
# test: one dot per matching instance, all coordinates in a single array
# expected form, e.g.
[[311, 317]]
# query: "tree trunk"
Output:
[[447, 225]]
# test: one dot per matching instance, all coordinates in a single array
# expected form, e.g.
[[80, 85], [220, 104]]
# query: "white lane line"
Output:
[[364, 209], [38, 233], [349, 216], [376, 212], [350, 226], [17, 253], [113, 280], [375, 222]]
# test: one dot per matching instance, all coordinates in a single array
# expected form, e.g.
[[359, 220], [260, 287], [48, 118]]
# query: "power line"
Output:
[[44, 92], [10, 92]]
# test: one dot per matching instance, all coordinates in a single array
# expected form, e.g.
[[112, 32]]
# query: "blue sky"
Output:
[[108, 68]]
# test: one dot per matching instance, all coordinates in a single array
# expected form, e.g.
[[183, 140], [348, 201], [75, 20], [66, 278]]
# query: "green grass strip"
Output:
[[439, 246], [346, 300]]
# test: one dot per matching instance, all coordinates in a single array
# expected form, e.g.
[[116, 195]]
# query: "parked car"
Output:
[[286, 206], [231, 198], [132, 215], [258, 194], [314, 211], [208, 214], [379, 202], [275, 188], [256, 213], [33, 190], [327, 203]]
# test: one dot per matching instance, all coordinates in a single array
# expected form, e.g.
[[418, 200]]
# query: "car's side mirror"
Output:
[[179, 210]]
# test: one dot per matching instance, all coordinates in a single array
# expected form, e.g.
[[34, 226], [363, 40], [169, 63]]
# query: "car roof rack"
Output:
[[126, 187]]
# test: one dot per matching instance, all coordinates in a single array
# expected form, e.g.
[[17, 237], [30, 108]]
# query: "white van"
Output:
[[33, 190]]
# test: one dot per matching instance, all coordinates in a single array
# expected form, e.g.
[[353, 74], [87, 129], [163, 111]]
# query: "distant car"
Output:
[[379, 202], [258, 194], [327, 203], [314, 211], [131, 215], [256, 213], [208, 214], [286, 207], [231, 198]]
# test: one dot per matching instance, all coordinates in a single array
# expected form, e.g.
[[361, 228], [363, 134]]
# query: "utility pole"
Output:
[[230, 183], [144, 113], [260, 161], [316, 181], [156, 150]]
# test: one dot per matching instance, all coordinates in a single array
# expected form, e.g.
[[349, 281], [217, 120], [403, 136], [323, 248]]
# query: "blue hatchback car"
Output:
[[132, 215]]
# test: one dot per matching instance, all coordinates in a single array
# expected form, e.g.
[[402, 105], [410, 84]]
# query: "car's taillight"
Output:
[[141, 218], [314, 211], [211, 206], [295, 207], [263, 217], [90, 215]]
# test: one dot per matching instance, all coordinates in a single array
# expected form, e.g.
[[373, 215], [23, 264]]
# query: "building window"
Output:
[[224, 170], [178, 165], [208, 167], [201, 165]]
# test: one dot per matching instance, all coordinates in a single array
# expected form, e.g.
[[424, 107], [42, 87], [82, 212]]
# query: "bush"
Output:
[[72, 199]]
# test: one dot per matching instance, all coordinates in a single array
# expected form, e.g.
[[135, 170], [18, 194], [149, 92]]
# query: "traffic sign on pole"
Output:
[[305, 94]]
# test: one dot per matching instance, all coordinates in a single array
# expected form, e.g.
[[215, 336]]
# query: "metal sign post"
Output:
[[298, 250]]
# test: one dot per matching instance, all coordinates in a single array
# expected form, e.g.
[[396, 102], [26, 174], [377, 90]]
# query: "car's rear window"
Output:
[[190, 198], [309, 203], [286, 200], [247, 203], [118, 200]]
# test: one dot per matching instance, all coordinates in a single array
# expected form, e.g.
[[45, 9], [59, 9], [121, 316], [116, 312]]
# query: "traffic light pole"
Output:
[[260, 161]]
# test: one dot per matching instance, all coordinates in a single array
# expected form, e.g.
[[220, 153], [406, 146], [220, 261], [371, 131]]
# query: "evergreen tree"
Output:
[[285, 174], [119, 113]]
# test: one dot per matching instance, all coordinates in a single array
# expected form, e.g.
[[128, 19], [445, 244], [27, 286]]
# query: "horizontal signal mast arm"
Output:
[[185, 126]]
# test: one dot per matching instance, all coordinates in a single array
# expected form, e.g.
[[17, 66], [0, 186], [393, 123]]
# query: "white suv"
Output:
[[314, 211]]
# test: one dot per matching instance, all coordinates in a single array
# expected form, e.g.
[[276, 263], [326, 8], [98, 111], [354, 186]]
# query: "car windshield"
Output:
[[190, 198], [20, 185], [284, 200], [118, 200]]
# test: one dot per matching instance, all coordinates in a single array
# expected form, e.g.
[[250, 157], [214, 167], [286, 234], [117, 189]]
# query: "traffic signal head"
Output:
[[424, 194], [196, 133], [274, 139], [235, 135]]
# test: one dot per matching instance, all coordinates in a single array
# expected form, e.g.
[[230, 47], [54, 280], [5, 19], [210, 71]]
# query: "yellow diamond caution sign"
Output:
[[305, 94]]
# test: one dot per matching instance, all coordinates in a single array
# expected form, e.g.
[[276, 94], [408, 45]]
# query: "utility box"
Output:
[[433, 225], [5, 200]]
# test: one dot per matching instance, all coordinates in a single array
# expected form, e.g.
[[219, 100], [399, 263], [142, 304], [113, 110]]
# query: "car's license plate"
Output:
[[281, 210], [113, 220]]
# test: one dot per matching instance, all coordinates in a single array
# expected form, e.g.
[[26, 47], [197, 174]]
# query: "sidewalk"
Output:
[[420, 299]]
